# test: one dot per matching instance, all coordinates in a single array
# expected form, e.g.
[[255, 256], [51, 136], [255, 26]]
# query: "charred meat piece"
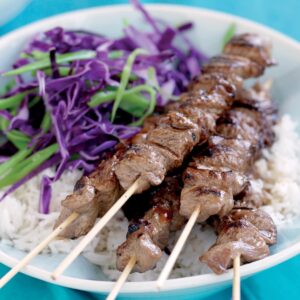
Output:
[[225, 153], [259, 102], [250, 45], [246, 232], [243, 239], [234, 64], [147, 237], [93, 195], [240, 123], [260, 219], [212, 189], [146, 252], [82, 201], [217, 82], [151, 165]]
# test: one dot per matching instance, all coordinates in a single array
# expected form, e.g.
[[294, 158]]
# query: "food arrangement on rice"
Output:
[[85, 118]]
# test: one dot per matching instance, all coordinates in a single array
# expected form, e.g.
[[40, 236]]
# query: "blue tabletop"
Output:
[[280, 282]]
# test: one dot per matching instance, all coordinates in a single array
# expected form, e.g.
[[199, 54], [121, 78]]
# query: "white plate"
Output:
[[209, 29]]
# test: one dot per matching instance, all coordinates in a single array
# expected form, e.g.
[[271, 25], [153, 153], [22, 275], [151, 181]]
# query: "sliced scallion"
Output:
[[19, 139], [14, 160], [132, 101], [46, 122], [229, 34], [12, 101], [28, 165], [45, 62], [124, 79], [115, 54]]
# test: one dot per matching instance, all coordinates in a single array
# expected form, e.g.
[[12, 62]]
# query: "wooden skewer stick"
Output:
[[94, 231], [33, 253], [236, 287], [177, 249], [121, 280]]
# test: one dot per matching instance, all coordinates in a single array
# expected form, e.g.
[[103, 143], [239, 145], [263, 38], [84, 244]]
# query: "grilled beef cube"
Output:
[[260, 219], [217, 82], [93, 195], [83, 202], [233, 64], [224, 180], [165, 148], [241, 239], [206, 121], [258, 100], [141, 161], [225, 154], [238, 123], [106, 184], [246, 232], [176, 134], [213, 102], [212, 201], [211, 189], [168, 195], [141, 245], [222, 162], [252, 46]]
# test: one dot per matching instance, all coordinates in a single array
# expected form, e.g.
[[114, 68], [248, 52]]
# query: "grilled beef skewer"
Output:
[[172, 136], [245, 231], [221, 173], [243, 132]]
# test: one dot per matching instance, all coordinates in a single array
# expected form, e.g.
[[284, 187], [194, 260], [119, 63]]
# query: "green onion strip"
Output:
[[230, 32], [45, 62], [124, 79], [131, 102], [14, 160], [26, 166]]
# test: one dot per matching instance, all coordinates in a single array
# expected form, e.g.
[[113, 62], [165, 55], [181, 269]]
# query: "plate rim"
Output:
[[190, 282]]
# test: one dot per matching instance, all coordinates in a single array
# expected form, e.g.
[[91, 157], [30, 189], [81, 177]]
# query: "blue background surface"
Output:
[[280, 282]]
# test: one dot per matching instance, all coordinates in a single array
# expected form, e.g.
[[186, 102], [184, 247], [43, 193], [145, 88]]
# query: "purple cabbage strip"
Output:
[[45, 194], [21, 117]]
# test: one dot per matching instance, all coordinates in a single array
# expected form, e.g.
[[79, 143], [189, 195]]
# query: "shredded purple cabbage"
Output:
[[64, 90]]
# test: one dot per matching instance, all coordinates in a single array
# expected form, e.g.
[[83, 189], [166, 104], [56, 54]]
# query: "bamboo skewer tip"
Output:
[[34, 252], [122, 279], [236, 286]]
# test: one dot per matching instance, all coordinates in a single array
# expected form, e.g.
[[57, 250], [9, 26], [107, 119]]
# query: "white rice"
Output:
[[21, 225]]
